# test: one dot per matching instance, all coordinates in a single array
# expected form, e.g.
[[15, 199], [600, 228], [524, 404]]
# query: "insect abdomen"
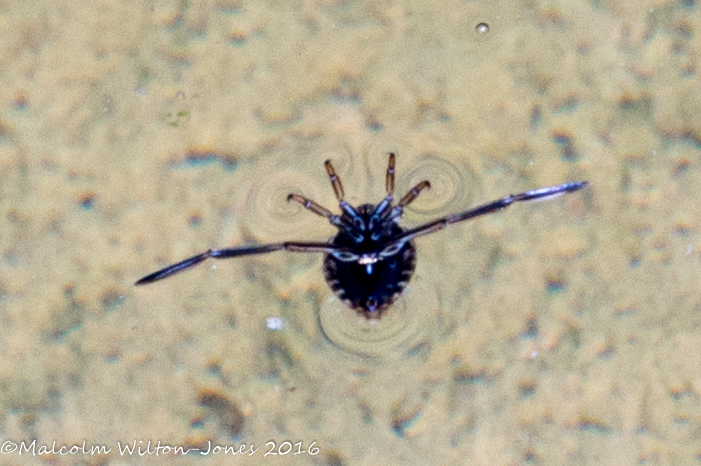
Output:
[[371, 293]]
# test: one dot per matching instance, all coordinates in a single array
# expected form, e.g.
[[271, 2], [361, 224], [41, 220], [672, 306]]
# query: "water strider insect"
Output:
[[371, 259]]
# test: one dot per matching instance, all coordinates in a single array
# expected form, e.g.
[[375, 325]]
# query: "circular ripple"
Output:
[[390, 337], [354, 333], [449, 185], [270, 215]]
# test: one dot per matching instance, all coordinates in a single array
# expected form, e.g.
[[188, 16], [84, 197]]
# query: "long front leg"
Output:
[[235, 252], [540, 194]]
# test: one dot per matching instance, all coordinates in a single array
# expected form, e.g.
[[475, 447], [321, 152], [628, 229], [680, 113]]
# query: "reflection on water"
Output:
[[389, 338], [269, 214]]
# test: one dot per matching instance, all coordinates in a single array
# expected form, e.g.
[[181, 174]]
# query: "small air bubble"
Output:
[[482, 28], [274, 323]]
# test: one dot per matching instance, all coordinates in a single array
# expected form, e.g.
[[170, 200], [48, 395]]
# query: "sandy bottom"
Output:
[[135, 134]]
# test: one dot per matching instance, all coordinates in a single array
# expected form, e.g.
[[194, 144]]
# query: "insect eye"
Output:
[[391, 250], [345, 256]]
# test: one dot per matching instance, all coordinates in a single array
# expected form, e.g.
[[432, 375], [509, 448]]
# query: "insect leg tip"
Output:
[[576, 186]]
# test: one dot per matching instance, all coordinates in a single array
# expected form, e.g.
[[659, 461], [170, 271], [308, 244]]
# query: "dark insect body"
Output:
[[371, 259]]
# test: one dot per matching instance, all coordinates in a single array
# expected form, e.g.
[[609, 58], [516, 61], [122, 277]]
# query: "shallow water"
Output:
[[135, 134]]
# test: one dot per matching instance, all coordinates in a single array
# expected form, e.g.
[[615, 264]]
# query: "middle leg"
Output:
[[409, 198], [316, 208]]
